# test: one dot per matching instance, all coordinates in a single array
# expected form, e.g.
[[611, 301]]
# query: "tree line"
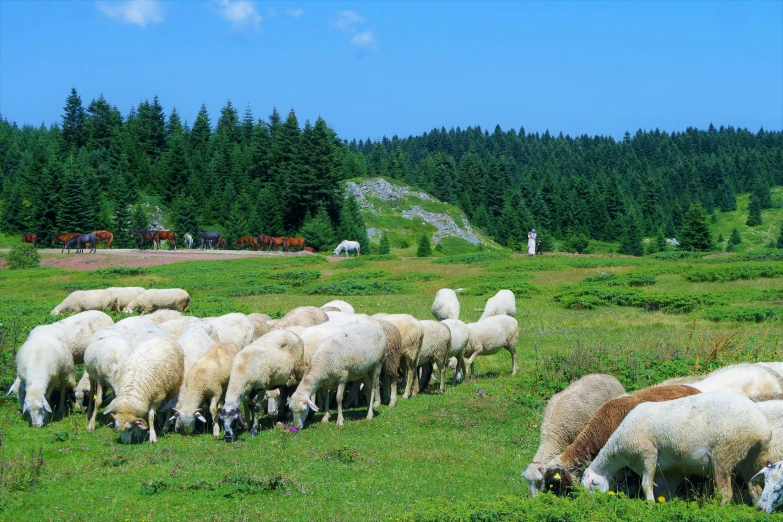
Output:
[[242, 175]]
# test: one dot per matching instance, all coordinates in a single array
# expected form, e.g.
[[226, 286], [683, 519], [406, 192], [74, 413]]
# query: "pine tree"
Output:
[[103, 123], [139, 220], [780, 237], [122, 225], [236, 224], [425, 248], [73, 122], [12, 209], [385, 248], [318, 231], [735, 238], [754, 211], [201, 132], [73, 212], [352, 225], [228, 124], [694, 234], [174, 168], [183, 216]]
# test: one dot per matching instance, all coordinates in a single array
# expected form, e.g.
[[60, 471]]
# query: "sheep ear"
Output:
[[109, 409], [113, 416], [242, 418], [46, 406], [173, 417], [312, 404], [141, 423], [762, 472], [200, 417], [24, 408]]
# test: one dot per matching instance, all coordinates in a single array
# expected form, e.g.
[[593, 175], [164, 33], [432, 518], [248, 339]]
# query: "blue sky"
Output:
[[382, 68]]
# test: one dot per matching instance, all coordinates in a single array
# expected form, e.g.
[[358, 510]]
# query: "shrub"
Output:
[[490, 284], [677, 255], [723, 274], [296, 277], [23, 255], [425, 248], [121, 271], [745, 314], [479, 258], [578, 243], [384, 247], [452, 246], [354, 287]]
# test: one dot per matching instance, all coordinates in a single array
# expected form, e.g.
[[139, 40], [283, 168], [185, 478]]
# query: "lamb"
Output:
[[205, 381], [502, 303], [755, 381], [275, 359], [717, 434], [259, 324], [772, 496], [149, 378], [42, 363], [412, 336], [340, 305], [434, 347], [302, 316], [489, 336], [355, 353], [446, 305], [460, 335], [564, 470], [232, 328], [152, 300], [81, 390], [113, 299], [565, 416]]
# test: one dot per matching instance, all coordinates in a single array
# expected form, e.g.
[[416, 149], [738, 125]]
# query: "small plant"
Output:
[[384, 247], [425, 248], [152, 487], [23, 255]]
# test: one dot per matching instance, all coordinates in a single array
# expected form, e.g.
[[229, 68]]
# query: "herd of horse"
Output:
[[154, 237]]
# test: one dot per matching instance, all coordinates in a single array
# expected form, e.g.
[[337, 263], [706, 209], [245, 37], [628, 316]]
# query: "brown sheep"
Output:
[[565, 470]]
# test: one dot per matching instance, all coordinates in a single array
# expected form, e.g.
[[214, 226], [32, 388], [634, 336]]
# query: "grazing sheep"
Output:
[[340, 305], [205, 381], [564, 470], [152, 300], [491, 335], [412, 336], [446, 305], [460, 335], [710, 434], [772, 496], [124, 295], [76, 331], [301, 316], [435, 344], [273, 360], [163, 314], [773, 411], [259, 324], [175, 327], [565, 416], [42, 363], [113, 299], [81, 390], [149, 378], [757, 382], [232, 328], [355, 353], [391, 364], [502, 303], [196, 340]]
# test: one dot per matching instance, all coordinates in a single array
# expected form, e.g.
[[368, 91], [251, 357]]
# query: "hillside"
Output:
[[752, 237], [405, 214]]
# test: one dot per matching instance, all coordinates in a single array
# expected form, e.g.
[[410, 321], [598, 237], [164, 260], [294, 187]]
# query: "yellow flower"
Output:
[[661, 499], [611, 492]]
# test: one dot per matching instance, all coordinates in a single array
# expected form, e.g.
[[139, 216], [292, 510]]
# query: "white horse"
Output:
[[348, 247], [188, 241]]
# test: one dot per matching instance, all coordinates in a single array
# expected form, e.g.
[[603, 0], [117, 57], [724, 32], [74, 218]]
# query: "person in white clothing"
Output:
[[531, 243]]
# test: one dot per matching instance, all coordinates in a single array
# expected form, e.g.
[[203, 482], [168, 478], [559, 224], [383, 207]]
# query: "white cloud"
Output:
[[348, 20], [296, 13], [241, 14], [138, 12], [364, 40]]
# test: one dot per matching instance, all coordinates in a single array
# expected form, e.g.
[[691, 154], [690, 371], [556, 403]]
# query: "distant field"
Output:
[[452, 457]]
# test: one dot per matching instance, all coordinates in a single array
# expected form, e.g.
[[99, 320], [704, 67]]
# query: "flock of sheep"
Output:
[[720, 426], [163, 362], [724, 425]]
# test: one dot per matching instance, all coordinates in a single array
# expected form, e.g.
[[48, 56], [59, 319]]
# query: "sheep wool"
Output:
[[502, 303], [446, 305]]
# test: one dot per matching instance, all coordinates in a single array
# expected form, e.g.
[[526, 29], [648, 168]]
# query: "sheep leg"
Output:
[[326, 404], [96, 391], [415, 387], [377, 398], [460, 366], [62, 397], [374, 380], [723, 483], [648, 475], [369, 391], [151, 420], [442, 367], [257, 409], [408, 377], [514, 366], [392, 391], [213, 409], [340, 392]]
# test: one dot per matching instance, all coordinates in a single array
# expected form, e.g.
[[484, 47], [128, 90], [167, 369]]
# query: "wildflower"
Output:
[[481, 392], [661, 499], [293, 429], [611, 492]]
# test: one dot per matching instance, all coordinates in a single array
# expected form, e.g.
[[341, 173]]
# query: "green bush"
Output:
[[490, 284], [121, 271], [296, 277], [723, 274], [384, 247], [578, 243], [23, 255], [745, 314], [677, 255], [354, 287], [425, 248], [479, 258], [451, 246]]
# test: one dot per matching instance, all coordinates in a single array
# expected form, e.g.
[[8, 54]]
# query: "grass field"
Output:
[[452, 457]]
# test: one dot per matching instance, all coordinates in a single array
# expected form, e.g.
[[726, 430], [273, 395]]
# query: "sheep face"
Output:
[[38, 409], [557, 480], [273, 403], [129, 426], [772, 496], [81, 397], [593, 480], [300, 405], [228, 416], [534, 475]]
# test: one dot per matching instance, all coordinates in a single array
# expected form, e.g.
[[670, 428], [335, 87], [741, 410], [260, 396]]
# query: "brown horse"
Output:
[[293, 242], [276, 242], [30, 238], [146, 235], [310, 249], [264, 241], [221, 243], [168, 235], [247, 240], [64, 238], [104, 236]]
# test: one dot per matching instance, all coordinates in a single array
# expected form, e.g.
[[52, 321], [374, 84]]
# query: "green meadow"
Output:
[[456, 456]]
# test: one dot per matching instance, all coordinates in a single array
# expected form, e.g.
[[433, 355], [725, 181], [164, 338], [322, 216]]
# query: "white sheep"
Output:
[[175, 327], [276, 359], [355, 353], [81, 390], [76, 331], [195, 341], [755, 381], [565, 416], [489, 336], [205, 381], [435, 344], [301, 316], [717, 434], [776, 366], [460, 336], [42, 363], [149, 378], [124, 295], [412, 336], [152, 300], [164, 314], [502, 303], [773, 411], [341, 305], [232, 328], [772, 496], [82, 300], [259, 324], [446, 305]]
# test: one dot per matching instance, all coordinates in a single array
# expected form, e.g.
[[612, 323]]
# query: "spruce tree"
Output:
[[754, 211], [183, 216], [735, 238], [73, 212], [694, 234], [201, 132], [425, 247], [318, 231], [780, 237], [73, 131], [352, 225], [385, 248], [236, 224]]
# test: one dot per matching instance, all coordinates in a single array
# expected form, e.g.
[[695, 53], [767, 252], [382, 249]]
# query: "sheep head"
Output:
[[129, 426], [557, 480], [534, 475], [273, 402], [228, 416], [38, 409], [772, 495], [594, 480], [300, 404]]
